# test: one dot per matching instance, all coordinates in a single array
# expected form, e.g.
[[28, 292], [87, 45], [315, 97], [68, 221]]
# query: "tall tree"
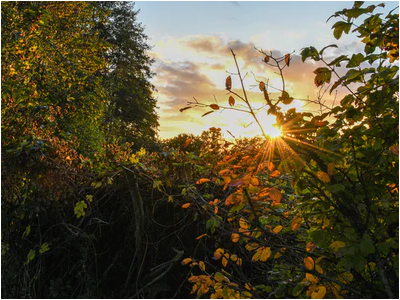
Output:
[[131, 112]]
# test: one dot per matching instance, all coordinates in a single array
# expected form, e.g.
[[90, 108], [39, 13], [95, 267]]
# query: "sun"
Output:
[[273, 131]]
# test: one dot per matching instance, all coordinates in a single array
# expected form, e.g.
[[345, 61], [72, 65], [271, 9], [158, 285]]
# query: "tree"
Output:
[[131, 107]]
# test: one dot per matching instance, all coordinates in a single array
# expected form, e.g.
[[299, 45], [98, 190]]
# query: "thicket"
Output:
[[87, 213]]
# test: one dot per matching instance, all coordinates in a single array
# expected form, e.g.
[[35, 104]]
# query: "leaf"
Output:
[[219, 277], [295, 224], [31, 255], [310, 247], [285, 98], [277, 229], [186, 205], [214, 106], [287, 59], [228, 83], [323, 75], [202, 266], [256, 256], [346, 277], [337, 245], [339, 28], [207, 113], [266, 59], [254, 181], [261, 86], [265, 254], [298, 289], [319, 292], [224, 262], [243, 224], [395, 149], [235, 237], [185, 108], [218, 253], [201, 236], [45, 247], [231, 101], [326, 47], [275, 195], [202, 180], [186, 261], [331, 168], [236, 182], [323, 176], [309, 262]]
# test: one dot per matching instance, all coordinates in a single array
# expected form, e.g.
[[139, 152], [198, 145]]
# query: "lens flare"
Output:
[[274, 131]]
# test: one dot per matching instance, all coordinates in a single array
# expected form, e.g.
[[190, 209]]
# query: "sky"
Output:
[[191, 44]]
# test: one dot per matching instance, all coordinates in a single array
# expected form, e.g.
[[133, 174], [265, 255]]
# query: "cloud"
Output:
[[200, 70]]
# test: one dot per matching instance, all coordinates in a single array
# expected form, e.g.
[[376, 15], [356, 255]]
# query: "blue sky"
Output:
[[191, 40]]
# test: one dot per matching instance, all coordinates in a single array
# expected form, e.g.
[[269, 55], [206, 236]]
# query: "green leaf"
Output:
[[355, 60], [323, 75], [31, 255], [45, 247], [310, 52], [298, 289], [339, 28], [338, 60]]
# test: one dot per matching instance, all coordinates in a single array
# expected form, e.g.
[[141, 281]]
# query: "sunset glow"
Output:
[[192, 58]]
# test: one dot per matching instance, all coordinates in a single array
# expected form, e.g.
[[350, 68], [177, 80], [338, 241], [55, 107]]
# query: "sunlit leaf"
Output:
[[310, 247], [202, 266], [214, 106], [243, 223], [319, 292], [207, 113], [265, 254], [275, 195], [185, 108], [186, 261], [256, 256], [235, 237], [202, 180], [323, 176], [287, 59], [228, 83], [277, 229], [224, 262], [218, 253], [201, 236], [231, 101], [234, 257], [309, 262], [186, 205]]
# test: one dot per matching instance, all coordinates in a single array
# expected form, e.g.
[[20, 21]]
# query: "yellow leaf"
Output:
[[323, 176], [200, 236], [337, 245], [234, 257], [261, 86], [224, 261], [277, 229], [228, 83], [231, 101], [239, 261], [170, 198], [256, 256], [296, 223], [319, 269], [277, 255], [331, 168], [202, 180], [218, 253], [202, 266], [346, 277], [319, 292], [186, 205], [243, 224], [287, 59], [254, 181], [309, 263], [235, 237], [266, 253], [311, 278], [219, 277], [275, 195], [310, 247], [223, 172], [251, 246], [186, 261]]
